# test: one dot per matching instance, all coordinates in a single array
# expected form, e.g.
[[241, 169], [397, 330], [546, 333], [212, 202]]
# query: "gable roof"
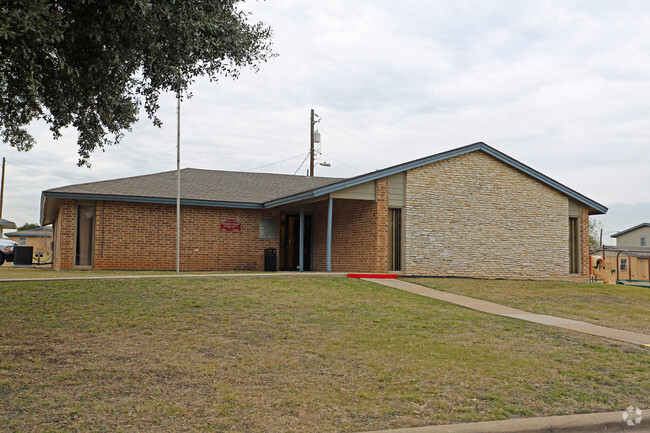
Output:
[[638, 226], [594, 207], [261, 190]]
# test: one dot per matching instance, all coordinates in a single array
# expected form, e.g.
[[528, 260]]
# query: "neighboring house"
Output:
[[637, 236], [471, 211], [627, 263], [40, 238]]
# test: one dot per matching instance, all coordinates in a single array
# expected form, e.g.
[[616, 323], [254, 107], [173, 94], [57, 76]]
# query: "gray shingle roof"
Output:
[[206, 185], [41, 232]]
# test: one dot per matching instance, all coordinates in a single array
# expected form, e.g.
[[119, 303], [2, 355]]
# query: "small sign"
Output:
[[231, 226]]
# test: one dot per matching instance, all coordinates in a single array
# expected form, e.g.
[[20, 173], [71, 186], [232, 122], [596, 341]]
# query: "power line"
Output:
[[303, 161], [359, 138], [273, 163], [43, 172]]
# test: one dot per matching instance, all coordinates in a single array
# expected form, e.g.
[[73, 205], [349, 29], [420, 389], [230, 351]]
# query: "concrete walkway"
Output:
[[588, 423], [137, 277], [501, 310]]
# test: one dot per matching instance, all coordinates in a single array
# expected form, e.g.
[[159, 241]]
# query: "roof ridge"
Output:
[[638, 226], [127, 178]]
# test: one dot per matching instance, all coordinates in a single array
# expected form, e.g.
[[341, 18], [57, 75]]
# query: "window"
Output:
[[22, 241], [85, 234], [267, 228], [623, 264], [644, 241], [574, 249], [395, 240]]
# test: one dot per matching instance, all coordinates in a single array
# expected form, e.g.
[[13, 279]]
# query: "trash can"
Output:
[[270, 259], [23, 255]]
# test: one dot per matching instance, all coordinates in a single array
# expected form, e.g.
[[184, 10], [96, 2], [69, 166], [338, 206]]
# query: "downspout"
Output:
[[329, 234], [301, 248]]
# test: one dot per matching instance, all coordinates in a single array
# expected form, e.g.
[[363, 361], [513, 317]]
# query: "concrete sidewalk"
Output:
[[501, 310], [587, 423], [137, 277]]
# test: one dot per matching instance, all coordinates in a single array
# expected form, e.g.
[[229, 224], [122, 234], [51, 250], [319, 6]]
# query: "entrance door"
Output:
[[290, 247]]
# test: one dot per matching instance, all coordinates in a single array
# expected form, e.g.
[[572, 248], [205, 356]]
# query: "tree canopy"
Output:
[[29, 226], [92, 64], [594, 233]]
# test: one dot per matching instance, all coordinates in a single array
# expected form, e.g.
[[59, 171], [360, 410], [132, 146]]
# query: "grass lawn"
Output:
[[9, 272], [617, 306], [294, 354]]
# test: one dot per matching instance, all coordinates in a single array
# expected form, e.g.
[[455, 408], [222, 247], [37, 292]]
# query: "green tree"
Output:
[[594, 233], [28, 226], [91, 64]]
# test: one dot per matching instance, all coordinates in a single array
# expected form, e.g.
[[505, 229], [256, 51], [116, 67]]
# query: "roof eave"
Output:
[[29, 235], [46, 195]]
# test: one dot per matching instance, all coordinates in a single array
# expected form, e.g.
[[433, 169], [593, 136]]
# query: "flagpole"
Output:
[[178, 183]]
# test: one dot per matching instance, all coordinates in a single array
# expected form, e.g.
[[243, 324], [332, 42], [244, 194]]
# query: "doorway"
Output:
[[290, 243], [395, 239]]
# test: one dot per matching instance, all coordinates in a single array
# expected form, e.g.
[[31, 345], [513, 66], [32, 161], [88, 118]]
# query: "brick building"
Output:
[[39, 238], [471, 211]]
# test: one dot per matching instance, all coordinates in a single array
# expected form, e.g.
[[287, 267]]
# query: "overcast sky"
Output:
[[563, 87]]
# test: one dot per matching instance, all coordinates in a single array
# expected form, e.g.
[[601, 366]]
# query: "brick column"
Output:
[[98, 242], [64, 246], [584, 242], [381, 251]]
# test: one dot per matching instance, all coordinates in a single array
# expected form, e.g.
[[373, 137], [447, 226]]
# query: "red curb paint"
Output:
[[383, 276]]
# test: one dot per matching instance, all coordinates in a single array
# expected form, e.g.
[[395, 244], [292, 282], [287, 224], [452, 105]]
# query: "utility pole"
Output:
[[2, 187], [2, 190], [311, 144], [601, 237]]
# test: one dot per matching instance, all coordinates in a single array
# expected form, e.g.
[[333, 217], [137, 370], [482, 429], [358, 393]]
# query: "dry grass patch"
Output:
[[617, 306], [286, 354]]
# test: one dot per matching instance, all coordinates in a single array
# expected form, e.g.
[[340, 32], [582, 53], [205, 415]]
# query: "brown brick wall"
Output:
[[64, 234], [319, 237], [354, 236], [143, 236], [359, 233]]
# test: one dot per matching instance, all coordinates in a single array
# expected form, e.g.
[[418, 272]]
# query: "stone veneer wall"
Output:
[[472, 215]]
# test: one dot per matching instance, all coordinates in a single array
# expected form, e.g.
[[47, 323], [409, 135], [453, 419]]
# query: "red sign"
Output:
[[231, 226]]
